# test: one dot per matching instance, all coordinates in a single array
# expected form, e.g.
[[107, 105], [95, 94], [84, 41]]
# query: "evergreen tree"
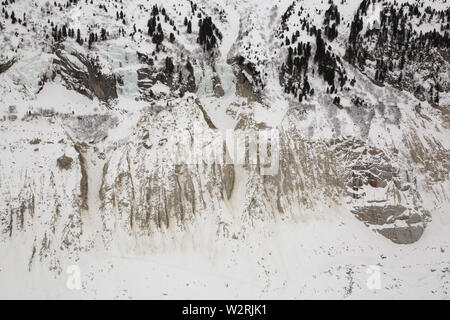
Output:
[[103, 34], [79, 40], [169, 65], [151, 26], [155, 10], [320, 48], [289, 63], [91, 40]]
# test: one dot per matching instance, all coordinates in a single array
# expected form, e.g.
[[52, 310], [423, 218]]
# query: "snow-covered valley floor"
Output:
[[331, 256]]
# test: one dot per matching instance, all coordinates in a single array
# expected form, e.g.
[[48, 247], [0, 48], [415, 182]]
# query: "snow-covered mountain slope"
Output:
[[104, 103]]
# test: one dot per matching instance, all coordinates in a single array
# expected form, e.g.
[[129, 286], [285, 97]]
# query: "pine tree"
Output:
[[91, 40], [151, 26], [103, 34], [155, 10], [436, 97], [189, 67], [289, 63], [79, 40], [320, 48], [169, 65]]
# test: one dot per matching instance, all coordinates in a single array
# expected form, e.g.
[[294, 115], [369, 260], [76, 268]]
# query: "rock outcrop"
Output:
[[82, 74], [6, 65]]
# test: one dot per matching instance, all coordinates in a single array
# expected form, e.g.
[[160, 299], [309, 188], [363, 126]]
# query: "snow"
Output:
[[299, 259], [159, 88], [316, 250]]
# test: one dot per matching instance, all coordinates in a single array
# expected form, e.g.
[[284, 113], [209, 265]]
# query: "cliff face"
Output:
[[98, 139], [42, 192], [83, 75], [382, 187]]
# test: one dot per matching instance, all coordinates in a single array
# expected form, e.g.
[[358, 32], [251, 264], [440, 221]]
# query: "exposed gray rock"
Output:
[[228, 178], [5, 66], [379, 215], [180, 80], [403, 235], [386, 216], [64, 162], [248, 80], [86, 77]]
